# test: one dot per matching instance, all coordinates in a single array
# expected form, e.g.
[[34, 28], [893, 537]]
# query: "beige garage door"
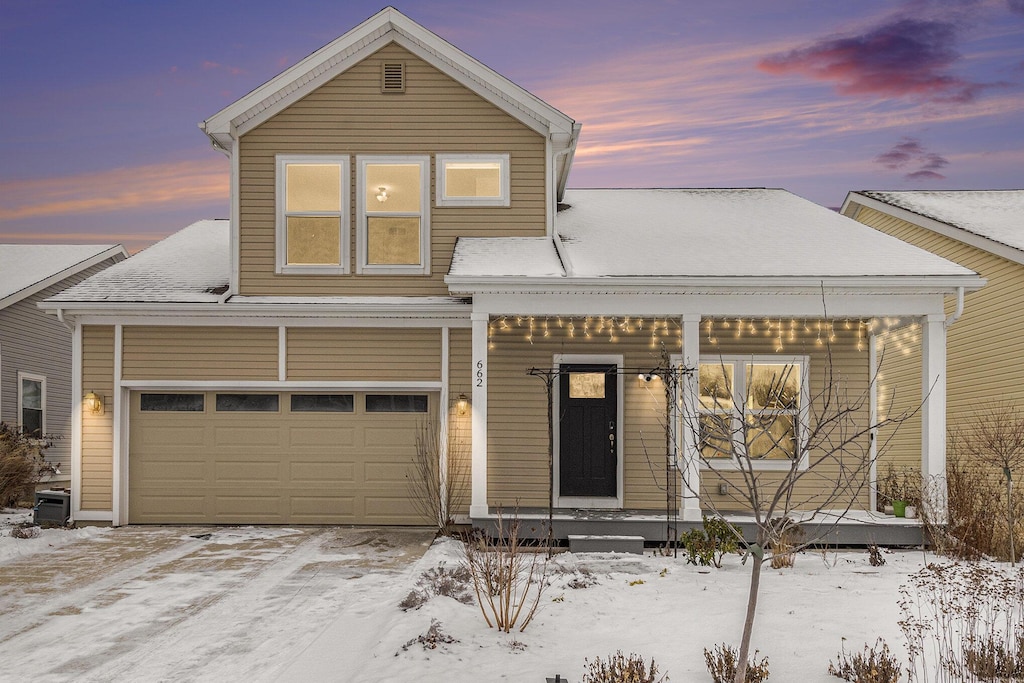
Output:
[[273, 458]]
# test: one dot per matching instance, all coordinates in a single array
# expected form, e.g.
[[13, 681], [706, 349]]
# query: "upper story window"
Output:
[[32, 404], [392, 213], [753, 406], [312, 214], [472, 180]]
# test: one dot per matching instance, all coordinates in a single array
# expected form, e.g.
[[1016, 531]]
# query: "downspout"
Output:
[[955, 315], [558, 194], [60, 318]]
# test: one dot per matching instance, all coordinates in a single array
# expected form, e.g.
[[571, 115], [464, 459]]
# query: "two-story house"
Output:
[[402, 248]]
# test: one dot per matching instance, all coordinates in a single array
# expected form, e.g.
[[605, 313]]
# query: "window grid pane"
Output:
[[313, 188], [393, 240], [322, 403], [313, 240], [464, 179], [396, 403], [172, 403], [244, 403]]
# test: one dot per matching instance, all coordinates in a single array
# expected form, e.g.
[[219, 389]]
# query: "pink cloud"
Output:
[[910, 151], [900, 58], [115, 190]]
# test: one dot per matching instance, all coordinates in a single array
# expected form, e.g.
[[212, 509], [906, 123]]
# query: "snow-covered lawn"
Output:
[[321, 604]]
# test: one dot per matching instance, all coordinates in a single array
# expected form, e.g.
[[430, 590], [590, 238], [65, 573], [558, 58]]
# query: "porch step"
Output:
[[606, 544]]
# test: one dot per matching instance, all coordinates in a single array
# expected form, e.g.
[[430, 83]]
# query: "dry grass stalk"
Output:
[[439, 480]]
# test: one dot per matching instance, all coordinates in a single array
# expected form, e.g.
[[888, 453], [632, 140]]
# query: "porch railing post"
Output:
[[478, 501], [688, 424], [933, 414]]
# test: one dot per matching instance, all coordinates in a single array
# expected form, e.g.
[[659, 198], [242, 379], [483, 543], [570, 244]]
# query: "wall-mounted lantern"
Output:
[[462, 405], [93, 402]]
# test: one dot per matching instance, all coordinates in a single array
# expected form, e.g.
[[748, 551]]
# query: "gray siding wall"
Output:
[[32, 341]]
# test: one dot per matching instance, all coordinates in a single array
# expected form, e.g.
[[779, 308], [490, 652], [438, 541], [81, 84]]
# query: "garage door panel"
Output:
[[326, 473], [272, 468], [318, 436], [247, 435]]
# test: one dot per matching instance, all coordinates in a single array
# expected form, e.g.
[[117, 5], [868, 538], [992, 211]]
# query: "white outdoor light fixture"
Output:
[[462, 405], [382, 194], [93, 402]]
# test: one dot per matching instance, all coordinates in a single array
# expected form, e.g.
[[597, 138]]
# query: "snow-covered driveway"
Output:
[[181, 604]]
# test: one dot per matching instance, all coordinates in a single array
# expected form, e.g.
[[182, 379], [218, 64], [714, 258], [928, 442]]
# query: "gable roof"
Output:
[[190, 266], [388, 25], [992, 220], [29, 268], [706, 234]]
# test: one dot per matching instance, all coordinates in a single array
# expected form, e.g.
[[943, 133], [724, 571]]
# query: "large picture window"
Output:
[[393, 231], [752, 407], [472, 180], [312, 214]]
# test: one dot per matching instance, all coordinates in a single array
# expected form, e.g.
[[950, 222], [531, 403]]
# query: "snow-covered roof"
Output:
[[997, 215], [731, 233], [28, 268], [191, 266], [506, 256]]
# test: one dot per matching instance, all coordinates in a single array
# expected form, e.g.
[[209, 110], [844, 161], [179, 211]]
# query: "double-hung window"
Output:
[[32, 404], [312, 214], [472, 180], [752, 407], [393, 216]]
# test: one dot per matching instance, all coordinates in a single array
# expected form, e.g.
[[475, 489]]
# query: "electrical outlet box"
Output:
[[723, 489]]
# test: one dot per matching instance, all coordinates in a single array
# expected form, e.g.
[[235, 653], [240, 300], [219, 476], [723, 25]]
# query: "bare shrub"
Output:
[[439, 478], [875, 556], [433, 638], [508, 577], [874, 665], [451, 582], [622, 669], [959, 619], [721, 663], [584, 578], [414, 600], [787, 535], [973, 531], [21, 465]]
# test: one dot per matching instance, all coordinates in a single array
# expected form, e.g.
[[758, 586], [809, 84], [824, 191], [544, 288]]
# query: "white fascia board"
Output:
[[969, 238], [57, 277], [946, 284], [736, 305], [268, 385], [344, 52]]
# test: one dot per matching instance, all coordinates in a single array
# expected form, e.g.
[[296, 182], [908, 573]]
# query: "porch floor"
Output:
[[852, 528]]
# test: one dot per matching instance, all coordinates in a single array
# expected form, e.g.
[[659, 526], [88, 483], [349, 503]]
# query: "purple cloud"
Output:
[[899, 58], [910, 151], [1016, 6]]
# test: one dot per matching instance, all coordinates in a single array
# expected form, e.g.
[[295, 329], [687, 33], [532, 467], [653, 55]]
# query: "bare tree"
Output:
[[819, 444], [439, 478], [995, 437]]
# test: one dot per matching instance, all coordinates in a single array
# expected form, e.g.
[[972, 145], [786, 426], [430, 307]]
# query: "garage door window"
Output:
[[172, 403], [396, 403], [247, 403], [322, 403]]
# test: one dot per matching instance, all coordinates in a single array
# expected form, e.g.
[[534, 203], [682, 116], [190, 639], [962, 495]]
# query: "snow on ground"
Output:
[[48, 539], [321, 604]]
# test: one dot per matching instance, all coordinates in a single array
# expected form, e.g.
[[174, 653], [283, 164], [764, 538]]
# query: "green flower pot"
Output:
[[899, 508]]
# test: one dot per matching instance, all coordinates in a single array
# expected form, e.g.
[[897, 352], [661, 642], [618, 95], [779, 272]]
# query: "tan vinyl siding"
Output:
[[200, 353], [517, 414], [349, 115], [985, 347], [352, 353], [98, 430]]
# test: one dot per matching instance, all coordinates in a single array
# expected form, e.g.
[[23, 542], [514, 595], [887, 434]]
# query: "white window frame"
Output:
[[362, 267], [42, 393], [739, 390], [281, 227], [442, 198]]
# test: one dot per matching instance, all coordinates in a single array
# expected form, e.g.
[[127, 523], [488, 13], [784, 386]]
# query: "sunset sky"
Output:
[[99, 99]]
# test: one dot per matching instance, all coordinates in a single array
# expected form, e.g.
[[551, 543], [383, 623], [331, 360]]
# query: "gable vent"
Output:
[[392, 77]]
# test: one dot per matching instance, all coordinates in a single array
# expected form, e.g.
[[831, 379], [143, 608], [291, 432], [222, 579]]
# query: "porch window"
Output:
[[472, 180], [393, 231], [751, 406], [312, 214]]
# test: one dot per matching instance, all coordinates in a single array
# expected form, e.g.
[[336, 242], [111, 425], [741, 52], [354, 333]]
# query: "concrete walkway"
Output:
[[190, 603]]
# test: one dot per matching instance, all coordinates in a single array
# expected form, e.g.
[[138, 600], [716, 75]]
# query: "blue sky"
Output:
[[99, 99]]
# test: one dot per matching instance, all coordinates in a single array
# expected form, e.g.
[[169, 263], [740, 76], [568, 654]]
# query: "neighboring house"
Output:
[[402, 249], [983, 231], [35, 348]]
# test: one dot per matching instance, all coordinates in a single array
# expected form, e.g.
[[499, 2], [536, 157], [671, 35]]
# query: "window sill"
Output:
[[393, 270], [758, 465], [312, 270]]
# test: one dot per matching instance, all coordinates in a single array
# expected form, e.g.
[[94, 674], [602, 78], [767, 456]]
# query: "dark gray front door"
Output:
[[588, 433]]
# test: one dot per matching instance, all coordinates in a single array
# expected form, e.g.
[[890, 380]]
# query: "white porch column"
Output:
[[688, 425], [933, 411], [478, 502]]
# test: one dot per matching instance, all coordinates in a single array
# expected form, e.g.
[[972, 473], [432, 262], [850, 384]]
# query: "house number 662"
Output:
[[479, 373]]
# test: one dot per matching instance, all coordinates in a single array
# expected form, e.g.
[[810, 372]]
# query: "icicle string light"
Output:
[[780, 332]]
